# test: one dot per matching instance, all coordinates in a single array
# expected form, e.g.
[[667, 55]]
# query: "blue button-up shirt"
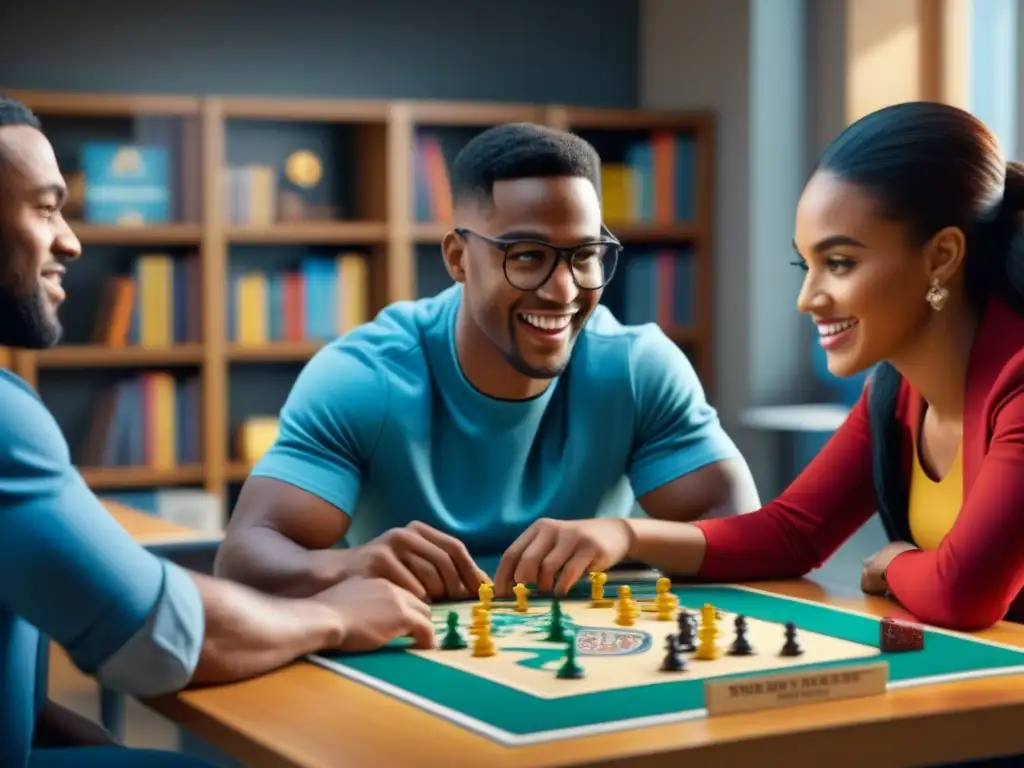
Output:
[[68, 570]]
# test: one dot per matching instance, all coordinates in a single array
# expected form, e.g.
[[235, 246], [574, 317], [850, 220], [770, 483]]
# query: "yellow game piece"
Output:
[[483, 643], [521, 592], [486, 594], [597, 582], [665, 603], [707, 649], [626, 610], [481, 618]]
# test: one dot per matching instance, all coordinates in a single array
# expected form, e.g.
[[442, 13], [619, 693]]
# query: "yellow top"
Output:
[[934, 504]]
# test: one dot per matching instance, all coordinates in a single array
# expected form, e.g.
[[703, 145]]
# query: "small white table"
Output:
[[810, 417]]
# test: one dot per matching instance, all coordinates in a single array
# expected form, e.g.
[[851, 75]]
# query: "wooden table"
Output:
[[306, 717], [153, 532]]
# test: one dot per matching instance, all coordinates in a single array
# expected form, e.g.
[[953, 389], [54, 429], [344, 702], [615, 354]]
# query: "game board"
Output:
[[515, 697]]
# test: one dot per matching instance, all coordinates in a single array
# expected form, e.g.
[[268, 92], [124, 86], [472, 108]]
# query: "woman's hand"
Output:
[[872, 576]]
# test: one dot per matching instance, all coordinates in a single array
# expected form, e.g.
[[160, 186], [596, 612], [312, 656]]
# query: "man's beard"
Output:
[[515, 358], [24, 322]]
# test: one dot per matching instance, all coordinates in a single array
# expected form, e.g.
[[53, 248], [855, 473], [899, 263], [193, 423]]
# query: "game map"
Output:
[[554, 669]]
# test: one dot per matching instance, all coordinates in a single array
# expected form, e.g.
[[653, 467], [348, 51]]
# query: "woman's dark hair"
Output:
[[932, 166]]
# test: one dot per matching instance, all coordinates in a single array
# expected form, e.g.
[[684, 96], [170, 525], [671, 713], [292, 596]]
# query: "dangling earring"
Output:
[[936, 296]]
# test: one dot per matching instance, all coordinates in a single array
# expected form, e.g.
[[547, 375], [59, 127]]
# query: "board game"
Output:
[[603, 673]]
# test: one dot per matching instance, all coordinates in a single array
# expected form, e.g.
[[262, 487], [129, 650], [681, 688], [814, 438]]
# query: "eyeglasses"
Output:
[[529, 264]]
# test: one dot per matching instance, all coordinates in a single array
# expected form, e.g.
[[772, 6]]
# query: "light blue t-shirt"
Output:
[[70, 572], [383, 425]]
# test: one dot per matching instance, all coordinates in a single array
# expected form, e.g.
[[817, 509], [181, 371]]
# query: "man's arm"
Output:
[[136, 622], [144, 626], [684, 466], [249, 633], [280, 540], [296, 505]]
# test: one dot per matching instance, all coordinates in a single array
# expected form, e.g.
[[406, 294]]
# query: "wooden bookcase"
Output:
[[379, 150]]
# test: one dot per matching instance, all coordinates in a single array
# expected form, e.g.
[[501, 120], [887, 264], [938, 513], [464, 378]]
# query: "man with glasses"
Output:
[[510, 418]]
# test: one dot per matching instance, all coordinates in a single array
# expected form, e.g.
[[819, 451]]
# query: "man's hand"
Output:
[[871, 576], [375, 611], [563, 549], [426, 562]]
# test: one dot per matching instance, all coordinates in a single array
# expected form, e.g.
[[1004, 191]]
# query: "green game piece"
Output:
[[570, 670], [453, 639], [556, 632]]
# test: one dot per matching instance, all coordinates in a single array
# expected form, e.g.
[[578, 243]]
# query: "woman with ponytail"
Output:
[[909, 239]]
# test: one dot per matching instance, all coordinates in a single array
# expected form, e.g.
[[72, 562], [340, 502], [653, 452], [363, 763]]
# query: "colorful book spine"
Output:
[[655, 184], [320, 300], [432, 196], [148, 420], [658, 288], [157, 305]]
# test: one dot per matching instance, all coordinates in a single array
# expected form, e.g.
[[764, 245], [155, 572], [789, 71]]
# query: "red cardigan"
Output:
[[973, 578]]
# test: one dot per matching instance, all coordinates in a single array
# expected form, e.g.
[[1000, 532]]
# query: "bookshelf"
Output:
[[673, 221], [369, 208]]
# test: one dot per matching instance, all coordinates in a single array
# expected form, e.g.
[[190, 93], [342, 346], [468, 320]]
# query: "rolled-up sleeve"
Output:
[[162, 655], [130, 618]]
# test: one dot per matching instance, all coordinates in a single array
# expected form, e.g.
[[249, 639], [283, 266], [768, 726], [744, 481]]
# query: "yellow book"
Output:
[[251, 307], [262, 195], [156, 287], [613, 191], [165, 405], [255, 437], [352, 288]]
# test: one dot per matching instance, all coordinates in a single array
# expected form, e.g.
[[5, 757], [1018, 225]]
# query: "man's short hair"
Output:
[[13, 112], [520, 151]]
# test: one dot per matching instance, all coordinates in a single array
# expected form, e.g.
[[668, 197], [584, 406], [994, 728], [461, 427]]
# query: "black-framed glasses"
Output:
[[529, 264]]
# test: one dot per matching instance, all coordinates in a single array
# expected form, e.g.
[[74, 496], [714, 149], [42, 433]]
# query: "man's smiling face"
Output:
[[35, 240]]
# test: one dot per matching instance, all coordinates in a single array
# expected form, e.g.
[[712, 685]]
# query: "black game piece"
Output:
[[741, 646], [687, 632], [791, 646], [673, 659]]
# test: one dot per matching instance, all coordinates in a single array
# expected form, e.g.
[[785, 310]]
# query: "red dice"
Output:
[[900, 635]]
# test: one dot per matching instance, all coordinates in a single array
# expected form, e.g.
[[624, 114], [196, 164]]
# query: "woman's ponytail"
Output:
[[1011, 210], [995, 264]]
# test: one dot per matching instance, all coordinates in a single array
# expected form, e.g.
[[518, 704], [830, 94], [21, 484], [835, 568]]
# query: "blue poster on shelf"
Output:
[[126, 184]]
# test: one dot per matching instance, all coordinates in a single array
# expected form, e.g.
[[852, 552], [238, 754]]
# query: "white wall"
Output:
[[994, 56], [695, 55], [747, 60], [778, 128]]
